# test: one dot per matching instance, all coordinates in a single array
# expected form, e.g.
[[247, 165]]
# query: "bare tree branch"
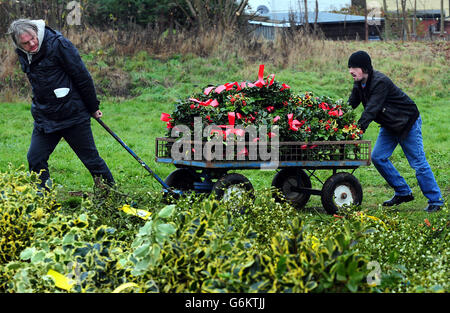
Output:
[[191, 8], [306, 17]]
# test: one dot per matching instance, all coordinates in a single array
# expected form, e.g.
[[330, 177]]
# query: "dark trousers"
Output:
[[80, 139]]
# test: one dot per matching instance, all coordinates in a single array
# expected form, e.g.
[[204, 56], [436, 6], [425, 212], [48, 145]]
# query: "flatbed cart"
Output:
[[296, 164]]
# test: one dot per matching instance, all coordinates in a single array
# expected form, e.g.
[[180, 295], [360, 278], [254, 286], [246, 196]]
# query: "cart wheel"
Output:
[[231, 186], [287, 180], [182, 179], [339, 190]]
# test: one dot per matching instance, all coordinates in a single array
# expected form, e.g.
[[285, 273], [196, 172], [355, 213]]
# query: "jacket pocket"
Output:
[[58, 109], [392, 118]]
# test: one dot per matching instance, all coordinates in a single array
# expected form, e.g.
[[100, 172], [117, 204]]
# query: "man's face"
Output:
[[29, 42], [357, 73]]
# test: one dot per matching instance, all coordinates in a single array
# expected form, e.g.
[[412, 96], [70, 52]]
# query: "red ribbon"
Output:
[[260, 82], [261, 74], [243, 151], [220, 89], [240, 132], [284, 86], [212, 102], [230, 127], [165, 117], [231, 118], [336, 112], [324, 106], [208, 90], [294, 124], [230, 86]]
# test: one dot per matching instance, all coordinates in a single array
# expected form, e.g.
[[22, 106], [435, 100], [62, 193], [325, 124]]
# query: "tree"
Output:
[[442, 26], [387, 21], [306, 16], [204, 14], [366, 24], [415, 19], [404, 26], [124, 13], [316, 18]]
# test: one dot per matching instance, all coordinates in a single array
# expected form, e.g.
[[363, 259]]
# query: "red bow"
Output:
[[294, 124], [212, 102], [336, 112], [260, 82], [284, 86], [165, 117]]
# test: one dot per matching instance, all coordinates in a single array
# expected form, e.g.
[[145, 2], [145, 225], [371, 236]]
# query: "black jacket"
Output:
[[59, 65], [385, 104]]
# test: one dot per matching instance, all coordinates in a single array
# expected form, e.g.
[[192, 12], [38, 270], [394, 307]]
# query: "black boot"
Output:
[[396, 200], [432, 208]]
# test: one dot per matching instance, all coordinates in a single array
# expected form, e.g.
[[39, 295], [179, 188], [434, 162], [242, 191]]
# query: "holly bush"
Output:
[[201, 244], [297, 117], [207, 248]]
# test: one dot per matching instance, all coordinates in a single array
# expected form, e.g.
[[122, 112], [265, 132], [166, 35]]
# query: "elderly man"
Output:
[[400, 123], [64, 98]]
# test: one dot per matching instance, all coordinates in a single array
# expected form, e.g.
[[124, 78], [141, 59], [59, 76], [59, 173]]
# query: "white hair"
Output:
[[19, 27]]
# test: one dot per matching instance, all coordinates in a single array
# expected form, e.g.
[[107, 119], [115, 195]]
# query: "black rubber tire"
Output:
[[230, 180], [287, 178], [182, 179], [335, 192]]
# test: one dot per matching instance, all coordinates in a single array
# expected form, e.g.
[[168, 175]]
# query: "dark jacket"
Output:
[[58, 65], [385, 104]]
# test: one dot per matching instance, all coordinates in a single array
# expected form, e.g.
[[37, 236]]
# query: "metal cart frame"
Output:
[[291, 180]]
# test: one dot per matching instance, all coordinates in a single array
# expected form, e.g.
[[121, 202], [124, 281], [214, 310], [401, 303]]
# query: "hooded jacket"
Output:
[[57, 64], [385, 104]]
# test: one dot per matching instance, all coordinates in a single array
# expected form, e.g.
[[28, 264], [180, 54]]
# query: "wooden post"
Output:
[[306, 17], [387, 24], [365, 21], [415, 20], [316, 18], [442, 26], [404, 26]]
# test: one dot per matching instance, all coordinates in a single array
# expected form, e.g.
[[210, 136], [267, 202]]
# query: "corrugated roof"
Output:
[[323, 17]]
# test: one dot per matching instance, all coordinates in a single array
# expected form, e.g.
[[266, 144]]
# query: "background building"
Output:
[[425, 23], [284, 6], [331, 25], [421, 5]]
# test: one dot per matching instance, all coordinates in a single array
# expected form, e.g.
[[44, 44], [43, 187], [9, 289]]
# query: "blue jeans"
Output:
[[412, 146]]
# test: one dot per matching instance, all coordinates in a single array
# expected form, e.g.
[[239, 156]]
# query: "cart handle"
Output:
[[137, 158]]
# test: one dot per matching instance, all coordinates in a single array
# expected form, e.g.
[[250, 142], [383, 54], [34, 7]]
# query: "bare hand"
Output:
[[97, 114]]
